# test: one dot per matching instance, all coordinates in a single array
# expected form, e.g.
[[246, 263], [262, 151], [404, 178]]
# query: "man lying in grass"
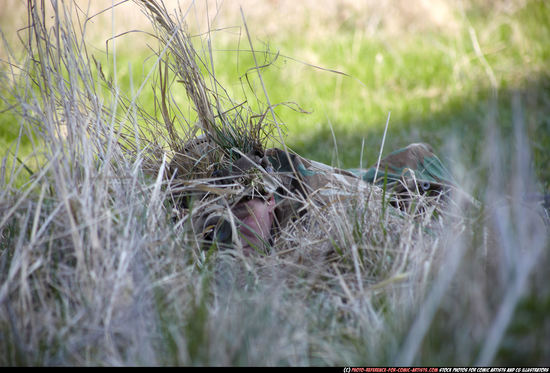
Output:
[[259, 193]]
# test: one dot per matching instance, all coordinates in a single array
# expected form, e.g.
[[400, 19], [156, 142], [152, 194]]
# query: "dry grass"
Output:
[[95, 267], [271, 20]]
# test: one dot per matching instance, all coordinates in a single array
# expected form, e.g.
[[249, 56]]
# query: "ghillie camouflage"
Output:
[[257, 195]]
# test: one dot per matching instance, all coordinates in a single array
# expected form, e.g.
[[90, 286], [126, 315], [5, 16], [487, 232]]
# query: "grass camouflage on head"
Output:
[[259, 193]]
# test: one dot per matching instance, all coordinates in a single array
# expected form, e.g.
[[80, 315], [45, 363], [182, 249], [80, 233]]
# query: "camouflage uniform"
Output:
[[277, 186]]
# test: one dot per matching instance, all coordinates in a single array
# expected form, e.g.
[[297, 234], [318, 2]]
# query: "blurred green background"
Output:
[[435, 65]]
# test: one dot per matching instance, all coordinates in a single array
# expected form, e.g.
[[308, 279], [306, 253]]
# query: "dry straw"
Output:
[[101, 262]]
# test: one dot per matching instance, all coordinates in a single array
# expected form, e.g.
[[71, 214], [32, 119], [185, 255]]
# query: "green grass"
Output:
[[433, 83], [95, 269]]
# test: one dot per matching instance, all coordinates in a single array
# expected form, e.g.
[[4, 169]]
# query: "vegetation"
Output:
[[99, 266]]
